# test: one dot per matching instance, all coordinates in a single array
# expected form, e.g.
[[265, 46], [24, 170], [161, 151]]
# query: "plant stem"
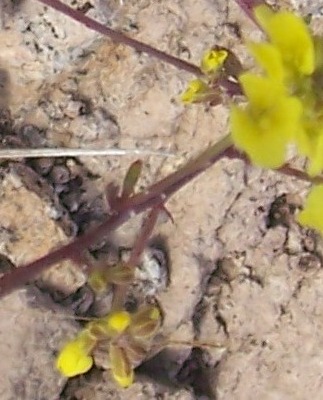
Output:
[[286, 169], [247, 6], [147, 228], [119, 37], [155, 195], [169, 185]]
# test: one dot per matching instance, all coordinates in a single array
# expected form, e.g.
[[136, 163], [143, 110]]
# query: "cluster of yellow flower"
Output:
[[284, 100], [282, 104], [126, 337]]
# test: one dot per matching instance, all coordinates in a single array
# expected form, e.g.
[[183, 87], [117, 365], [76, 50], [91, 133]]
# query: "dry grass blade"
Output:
[[68, 152]]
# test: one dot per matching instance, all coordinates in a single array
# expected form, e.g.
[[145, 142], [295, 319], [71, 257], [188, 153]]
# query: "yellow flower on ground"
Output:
[[196, 91], [74, 358], [268, 123], [212, 60], [109, 326], [118, 321], [291, 36], [312, 215]]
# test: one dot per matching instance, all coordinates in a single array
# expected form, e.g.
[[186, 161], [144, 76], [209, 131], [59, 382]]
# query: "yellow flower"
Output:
[[268, 123], [196, 91], [212, 60], [74, 358], [291, 36], [109, 326], [118, 321], [312, 215]]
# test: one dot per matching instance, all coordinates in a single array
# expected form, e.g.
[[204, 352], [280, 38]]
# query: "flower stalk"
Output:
[[119, 37], [155, 195]]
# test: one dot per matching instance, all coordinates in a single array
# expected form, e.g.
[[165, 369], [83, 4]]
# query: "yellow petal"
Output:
[[290, 34], [195, 91], [264, 134], [118, 321], [269, 58], [316, 156], [121, 368], [247, 136], [261, 92], [312, 215], [212, 60], [73, 360], [124, 381]]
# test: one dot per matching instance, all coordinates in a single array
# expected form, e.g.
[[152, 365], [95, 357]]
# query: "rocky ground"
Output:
[[243, 279]]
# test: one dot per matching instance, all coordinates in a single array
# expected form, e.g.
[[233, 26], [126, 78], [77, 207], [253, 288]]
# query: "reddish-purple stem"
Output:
[[248, 5], [286, 169], [119, 37], [155, 195], [136, 252], [144, 235]]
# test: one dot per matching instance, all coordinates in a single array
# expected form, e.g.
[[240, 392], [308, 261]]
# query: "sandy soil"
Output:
[[242, 274]]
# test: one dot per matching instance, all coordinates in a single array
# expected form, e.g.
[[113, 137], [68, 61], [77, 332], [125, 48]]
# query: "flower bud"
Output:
[[121, 368], [98, 281], [213, 60], [145, 322]]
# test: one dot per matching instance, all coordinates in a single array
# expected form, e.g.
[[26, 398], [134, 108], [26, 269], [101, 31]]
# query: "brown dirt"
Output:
[[243, 274]]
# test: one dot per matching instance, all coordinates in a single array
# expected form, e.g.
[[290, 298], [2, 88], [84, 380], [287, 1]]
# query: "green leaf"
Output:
[[131, 179]]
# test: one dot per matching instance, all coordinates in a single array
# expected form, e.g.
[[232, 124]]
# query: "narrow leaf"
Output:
[[131, 179]]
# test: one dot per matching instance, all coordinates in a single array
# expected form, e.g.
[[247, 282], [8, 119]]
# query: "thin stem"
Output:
[[169, 185], [147, 228], [119, 37], [248, 5], [286, 169], [155, 195], [144, 235], [300, 175]]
